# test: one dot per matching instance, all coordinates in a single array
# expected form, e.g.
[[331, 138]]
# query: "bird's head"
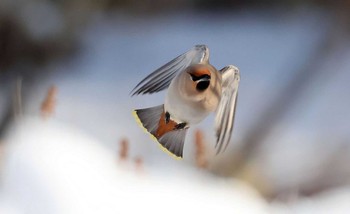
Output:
[[199, 77]]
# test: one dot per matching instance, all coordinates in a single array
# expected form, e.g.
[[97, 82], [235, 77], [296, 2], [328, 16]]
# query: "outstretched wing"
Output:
[[160, 79], [225, 113]]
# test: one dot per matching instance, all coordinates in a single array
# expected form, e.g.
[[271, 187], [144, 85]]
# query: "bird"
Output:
[[195, 88]]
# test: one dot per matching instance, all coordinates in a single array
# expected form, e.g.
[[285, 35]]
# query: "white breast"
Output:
[[182, 108]]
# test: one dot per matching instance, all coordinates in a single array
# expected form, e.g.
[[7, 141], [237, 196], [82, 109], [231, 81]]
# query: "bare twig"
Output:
[[201, 160], [17, 100], [13, 107], [49, 103], [138, 164], [124, 149]]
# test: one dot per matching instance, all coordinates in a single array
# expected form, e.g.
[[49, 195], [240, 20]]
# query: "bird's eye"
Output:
[[202, 85]]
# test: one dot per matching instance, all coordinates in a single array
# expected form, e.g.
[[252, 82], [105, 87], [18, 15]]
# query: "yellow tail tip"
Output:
[[138, 120]]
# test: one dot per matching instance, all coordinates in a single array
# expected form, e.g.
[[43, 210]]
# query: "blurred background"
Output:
[[75, 62]]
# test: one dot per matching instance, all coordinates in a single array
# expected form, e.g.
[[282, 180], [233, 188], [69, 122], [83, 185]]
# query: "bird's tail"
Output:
[[165, 131]]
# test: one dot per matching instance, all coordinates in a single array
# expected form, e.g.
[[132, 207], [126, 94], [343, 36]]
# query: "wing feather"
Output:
[[225, 113], [160, 79]]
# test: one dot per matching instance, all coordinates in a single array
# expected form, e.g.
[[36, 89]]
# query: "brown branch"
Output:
[[138, 164], [201, 159], [48, 105], [124, 149]]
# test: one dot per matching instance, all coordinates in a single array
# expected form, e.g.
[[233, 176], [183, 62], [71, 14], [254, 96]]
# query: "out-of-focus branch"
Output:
[[7, 118], [17, 98], [331, 174], [49, 103], [13, 106], [200, 154], [338, 32], [124, 149]]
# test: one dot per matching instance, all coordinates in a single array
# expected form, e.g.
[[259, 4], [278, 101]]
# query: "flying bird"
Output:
[[195, 89]]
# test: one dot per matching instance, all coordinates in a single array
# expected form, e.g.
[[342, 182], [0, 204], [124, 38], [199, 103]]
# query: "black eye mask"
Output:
[[201, 77]]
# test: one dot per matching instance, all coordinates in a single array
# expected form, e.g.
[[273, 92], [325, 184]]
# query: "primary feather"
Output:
[[225, 113], [160, 79]]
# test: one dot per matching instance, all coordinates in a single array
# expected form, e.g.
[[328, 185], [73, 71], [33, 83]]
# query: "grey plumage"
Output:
[[149, 117], [173, 141], [160, 79], [195, 89], [225, 113]]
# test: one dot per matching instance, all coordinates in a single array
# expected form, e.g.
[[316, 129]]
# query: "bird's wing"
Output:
[[225, 113], [160, 79]]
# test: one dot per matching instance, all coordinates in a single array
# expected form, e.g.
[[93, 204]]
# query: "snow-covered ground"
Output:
[[51, 167], [68, 164]]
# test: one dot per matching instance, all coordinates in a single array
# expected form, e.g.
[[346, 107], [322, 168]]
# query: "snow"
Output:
[[51, 167]]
